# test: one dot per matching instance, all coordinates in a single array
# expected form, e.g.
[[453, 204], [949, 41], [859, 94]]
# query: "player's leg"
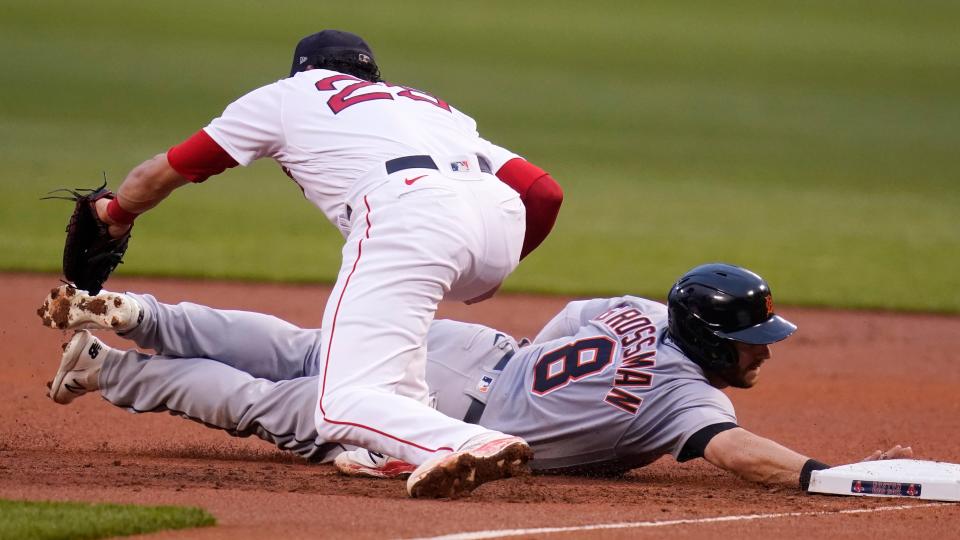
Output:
[[372, 337], [463, 360], [260, 344], [399, 262], [200, 389]]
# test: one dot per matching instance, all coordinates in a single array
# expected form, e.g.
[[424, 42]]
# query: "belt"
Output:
[[425, 162], [475, 411]]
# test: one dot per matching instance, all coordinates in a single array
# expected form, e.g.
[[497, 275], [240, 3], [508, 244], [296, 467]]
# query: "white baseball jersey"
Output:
[[328, 129]]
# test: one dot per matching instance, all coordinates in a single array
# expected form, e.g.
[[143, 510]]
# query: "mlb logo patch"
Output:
[[460, 166], [484, 384]]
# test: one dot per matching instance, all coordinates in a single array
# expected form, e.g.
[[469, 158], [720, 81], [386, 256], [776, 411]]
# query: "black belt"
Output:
[[475, 411], [425, 162]]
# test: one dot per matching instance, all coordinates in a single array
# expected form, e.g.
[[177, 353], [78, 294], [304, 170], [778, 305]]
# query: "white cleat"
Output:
[[69, 308], [79, 368], [486, 458], [365, 463]]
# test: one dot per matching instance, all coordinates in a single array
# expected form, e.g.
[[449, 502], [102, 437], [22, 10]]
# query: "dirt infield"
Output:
[[846, 384]]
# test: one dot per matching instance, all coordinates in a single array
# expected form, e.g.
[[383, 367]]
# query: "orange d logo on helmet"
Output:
[[769, 305]]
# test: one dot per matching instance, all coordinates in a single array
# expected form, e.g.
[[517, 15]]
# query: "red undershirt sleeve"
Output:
[[541, 195], [199, 157]]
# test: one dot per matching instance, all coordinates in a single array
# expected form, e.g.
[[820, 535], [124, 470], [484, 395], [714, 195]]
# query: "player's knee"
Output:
[[335, 408]]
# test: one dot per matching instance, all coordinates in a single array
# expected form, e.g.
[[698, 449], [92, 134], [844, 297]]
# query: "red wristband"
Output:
[[118, 214]]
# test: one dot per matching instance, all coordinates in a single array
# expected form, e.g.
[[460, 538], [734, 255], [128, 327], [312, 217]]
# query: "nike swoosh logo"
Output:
[[410, 181]]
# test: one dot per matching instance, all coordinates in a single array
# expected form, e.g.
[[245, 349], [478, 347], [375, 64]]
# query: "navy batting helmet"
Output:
[[714, 305]]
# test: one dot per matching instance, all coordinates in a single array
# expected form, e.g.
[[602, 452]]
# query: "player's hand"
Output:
[[897, 452], [116, 230]]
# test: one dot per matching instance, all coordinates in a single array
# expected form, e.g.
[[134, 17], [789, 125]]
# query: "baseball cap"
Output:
[[327, 43]]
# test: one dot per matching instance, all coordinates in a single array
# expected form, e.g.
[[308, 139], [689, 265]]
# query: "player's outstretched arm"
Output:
[[761, 460], [193, 160], [143, 188], [754, 458]]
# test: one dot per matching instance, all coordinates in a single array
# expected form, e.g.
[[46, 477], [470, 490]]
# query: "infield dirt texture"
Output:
[[845, 384]]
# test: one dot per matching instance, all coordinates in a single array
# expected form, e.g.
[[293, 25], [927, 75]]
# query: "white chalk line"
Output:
[[503, 533]]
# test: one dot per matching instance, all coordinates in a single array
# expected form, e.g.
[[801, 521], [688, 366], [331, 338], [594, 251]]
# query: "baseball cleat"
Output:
[[459, 473], [79, 368], [69, 308], [370, 464]]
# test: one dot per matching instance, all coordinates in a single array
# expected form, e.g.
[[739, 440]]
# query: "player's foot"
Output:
[[485, 458], [362, 462], [69, 308], [79, 368]]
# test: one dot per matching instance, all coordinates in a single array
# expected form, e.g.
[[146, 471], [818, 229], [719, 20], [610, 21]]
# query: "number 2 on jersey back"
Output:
[[555, 369], [345, 96]]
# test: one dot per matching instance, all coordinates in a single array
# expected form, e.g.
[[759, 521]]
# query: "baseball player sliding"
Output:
[[608, 384], [429, 210]]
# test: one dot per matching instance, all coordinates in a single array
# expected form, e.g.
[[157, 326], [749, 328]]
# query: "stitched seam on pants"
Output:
[[333, 328]]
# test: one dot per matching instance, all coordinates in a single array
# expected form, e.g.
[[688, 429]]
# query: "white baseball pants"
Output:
[[415, 237]]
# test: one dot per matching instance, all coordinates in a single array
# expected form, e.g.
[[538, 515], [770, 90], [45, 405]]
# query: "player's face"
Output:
[[750, 358]]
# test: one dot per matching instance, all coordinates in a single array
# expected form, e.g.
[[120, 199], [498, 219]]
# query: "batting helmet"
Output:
[[714, 305]]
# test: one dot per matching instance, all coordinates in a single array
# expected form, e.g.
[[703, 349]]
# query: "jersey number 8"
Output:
[[572, 362]]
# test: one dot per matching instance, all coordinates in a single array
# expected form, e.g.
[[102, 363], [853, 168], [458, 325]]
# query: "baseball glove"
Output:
[[90, 254]]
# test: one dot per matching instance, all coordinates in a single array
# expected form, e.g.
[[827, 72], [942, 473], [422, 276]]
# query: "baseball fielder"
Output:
[[608, 385], [429, 210]]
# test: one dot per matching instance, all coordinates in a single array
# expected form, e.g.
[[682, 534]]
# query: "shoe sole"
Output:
[[67, 308], [461, 473], [71, 355], [387, 473]]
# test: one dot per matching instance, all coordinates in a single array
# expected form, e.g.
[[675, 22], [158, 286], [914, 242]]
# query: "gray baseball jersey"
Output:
[[599, 389], [602, 388]]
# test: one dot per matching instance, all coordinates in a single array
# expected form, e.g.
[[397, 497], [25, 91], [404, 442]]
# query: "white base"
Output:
[[913, 478]]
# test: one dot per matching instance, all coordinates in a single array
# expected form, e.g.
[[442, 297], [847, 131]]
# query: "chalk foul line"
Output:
[[503, 533]]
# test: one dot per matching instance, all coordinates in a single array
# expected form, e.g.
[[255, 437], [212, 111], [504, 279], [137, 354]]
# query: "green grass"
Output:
[[813, 142], [82, 521]]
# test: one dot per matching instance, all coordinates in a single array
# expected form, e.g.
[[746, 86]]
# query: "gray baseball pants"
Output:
[[253, 374]]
